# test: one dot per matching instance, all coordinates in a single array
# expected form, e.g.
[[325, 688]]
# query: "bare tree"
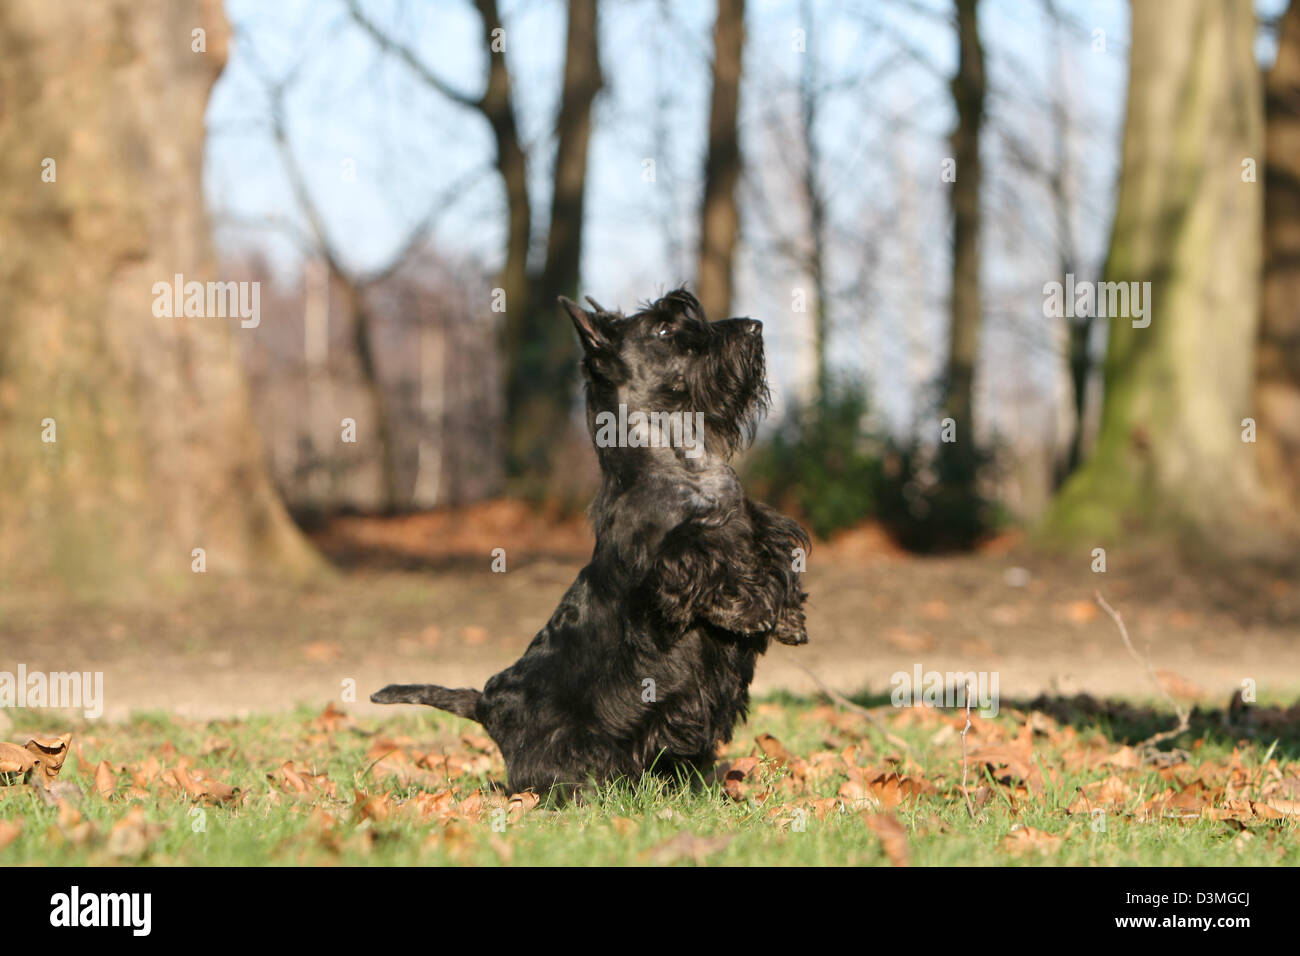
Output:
[[968, 89], [719, 215], [1277, 385], [1079, 330], [538, 347], [815, 201], [316, 243]]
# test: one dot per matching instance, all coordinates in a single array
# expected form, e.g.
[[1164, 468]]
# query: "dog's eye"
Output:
[[664, 331]]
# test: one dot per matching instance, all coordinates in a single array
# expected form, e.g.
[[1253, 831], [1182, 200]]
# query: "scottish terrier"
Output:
[[646, 664]]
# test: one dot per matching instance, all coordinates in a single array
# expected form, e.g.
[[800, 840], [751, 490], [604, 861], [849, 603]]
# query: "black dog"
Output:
[[646, 663]]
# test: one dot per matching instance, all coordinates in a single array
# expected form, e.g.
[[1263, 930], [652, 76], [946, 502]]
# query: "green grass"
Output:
[[654, 822]]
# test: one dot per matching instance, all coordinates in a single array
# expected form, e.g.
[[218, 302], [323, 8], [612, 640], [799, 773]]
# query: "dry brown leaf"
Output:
[[892, 835], [1126, 758], [37, 763], [1013, 760], [435, 806], [201, 785], [623, 826], [331, 719], [688, 846], [521, 803], [9, 831], [1025, 839], [1290, 808], [1113, 790], [146, 773], [372, 806], [738, 777], [72, 827], [874, 787], [388, 760], [773, 749], [105, 780], [131, 835], [480, 742], [301, 782], [15, 760]]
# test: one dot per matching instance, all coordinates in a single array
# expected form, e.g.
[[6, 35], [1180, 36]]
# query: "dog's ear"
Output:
[[590, 325]]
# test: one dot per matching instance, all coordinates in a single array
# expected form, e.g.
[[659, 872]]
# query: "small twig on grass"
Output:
[[965, 792], [1184, 719], [847, 704]]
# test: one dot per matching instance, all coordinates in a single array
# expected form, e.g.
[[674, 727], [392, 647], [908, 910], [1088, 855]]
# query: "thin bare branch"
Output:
[[1184, 719], [407, 56]]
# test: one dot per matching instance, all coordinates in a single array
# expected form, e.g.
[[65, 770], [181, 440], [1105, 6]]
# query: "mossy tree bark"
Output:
[[154, 452], [1170, 452]]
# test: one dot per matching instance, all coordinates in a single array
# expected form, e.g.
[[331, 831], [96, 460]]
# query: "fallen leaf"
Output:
[[331, 719], [773, 748], [105, 780], [9, 831], [371, 806], [201, 785], [131, 835], [892, 835], [1026, 839], [38, 763], [15, 760], [686, 846], [521, 803]]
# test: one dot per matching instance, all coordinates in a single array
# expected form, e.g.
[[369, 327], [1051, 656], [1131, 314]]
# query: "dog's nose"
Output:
[[751, 326]]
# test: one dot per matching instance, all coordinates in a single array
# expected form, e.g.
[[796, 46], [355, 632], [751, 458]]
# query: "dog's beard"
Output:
[[730, 388]]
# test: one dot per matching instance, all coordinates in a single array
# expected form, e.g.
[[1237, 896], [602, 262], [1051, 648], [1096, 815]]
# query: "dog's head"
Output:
[[668, 358]]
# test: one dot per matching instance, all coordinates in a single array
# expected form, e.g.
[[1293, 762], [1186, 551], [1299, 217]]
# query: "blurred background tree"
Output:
[[1188, 222], [126, 438], [1277, 384]]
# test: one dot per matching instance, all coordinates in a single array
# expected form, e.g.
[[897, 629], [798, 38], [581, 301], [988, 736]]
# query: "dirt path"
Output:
[[1029, 618]]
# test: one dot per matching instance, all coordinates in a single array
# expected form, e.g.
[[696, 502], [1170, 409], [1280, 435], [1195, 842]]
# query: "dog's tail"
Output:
[[463, 701]]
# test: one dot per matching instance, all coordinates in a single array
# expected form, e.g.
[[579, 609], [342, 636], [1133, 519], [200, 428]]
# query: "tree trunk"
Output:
[[1277, 385], [363, 342], [963, 343], [497, 106], [719, 217], [814, 196], [1170, 450], [541, 353], [154, 452]]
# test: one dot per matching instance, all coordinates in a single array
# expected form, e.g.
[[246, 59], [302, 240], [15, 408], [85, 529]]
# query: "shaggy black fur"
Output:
[[646, 664]]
